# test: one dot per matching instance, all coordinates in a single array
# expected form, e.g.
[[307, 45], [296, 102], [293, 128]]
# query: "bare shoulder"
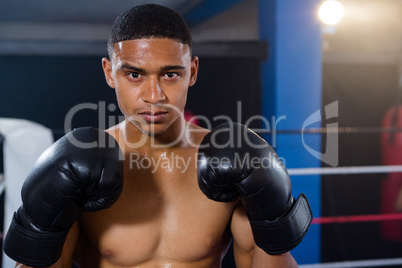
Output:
[[114, 130], [195, 134], [197, 128]]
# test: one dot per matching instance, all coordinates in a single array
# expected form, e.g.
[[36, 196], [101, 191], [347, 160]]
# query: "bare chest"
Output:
[[160, 215]]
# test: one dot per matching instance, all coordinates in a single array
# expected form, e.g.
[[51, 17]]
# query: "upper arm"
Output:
[[243, 241], [66, 258], [262, 259], [246, 253]]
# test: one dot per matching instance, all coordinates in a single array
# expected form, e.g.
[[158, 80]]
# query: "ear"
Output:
[[194, 70], [107, 69]]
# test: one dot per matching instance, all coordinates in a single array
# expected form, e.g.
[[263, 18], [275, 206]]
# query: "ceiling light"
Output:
[[331, 12]]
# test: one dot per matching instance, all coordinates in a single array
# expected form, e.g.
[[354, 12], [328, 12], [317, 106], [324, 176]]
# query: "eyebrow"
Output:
[[172, 67], [129, 67], [140, 70]]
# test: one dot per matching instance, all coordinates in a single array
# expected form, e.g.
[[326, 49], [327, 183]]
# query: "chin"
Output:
[[156, 129]]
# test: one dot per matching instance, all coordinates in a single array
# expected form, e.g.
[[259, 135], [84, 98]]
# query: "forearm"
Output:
[[68, 250], [262, 259]]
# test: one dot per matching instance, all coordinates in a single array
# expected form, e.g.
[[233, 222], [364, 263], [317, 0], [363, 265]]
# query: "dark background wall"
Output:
[[44, 88]]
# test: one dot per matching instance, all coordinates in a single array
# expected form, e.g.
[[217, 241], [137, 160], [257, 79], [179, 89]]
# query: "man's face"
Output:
[[151, 78]]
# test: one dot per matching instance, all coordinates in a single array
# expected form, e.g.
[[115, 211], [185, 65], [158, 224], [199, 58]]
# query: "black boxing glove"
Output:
[[235, 162], [81, 171]]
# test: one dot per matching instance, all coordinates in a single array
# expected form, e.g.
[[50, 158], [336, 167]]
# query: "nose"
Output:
[[152, 91]]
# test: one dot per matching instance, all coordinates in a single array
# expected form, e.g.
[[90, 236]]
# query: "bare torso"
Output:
[[161, 219]]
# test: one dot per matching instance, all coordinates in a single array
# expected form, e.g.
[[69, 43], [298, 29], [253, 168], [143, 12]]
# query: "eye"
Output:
[[134, 75], [171, 75]]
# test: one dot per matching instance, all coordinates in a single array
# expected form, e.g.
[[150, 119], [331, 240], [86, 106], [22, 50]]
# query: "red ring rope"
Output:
[[357, 218]]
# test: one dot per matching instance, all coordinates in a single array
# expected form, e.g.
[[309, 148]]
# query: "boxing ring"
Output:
[[300, 172], [22, 141]]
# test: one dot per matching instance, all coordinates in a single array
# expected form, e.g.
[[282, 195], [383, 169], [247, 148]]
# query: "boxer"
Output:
[[171, 194]]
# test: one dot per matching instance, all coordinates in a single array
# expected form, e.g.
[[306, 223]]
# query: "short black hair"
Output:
[[147, 21]]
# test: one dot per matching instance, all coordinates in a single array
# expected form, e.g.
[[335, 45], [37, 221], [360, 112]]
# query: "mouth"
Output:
[[153, 116]]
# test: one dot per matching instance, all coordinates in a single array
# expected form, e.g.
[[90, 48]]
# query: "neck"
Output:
[[136, 139]]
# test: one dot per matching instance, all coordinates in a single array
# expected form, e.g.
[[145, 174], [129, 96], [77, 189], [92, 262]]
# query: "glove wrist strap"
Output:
[[33, 248], [285, 233]]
